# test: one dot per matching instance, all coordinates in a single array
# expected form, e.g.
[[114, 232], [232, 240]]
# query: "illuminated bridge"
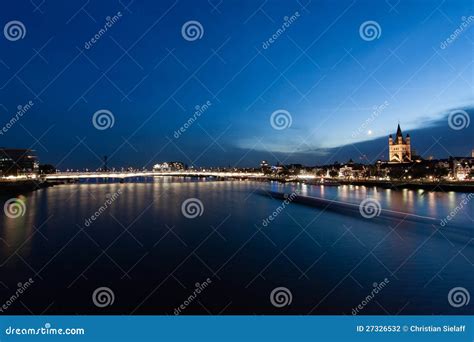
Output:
[[125, 175]]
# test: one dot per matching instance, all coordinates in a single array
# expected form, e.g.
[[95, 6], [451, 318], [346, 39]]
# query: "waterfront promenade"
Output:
[[41, 181]]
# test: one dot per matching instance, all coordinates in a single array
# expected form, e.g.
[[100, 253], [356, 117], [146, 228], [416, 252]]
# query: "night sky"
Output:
[[323, 70]]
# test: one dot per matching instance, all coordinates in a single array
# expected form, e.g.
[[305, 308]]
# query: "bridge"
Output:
[[133, 174]]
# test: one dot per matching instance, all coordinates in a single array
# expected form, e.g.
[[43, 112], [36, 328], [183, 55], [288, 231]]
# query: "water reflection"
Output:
[[18, 229], [226, 239], [421, 202]]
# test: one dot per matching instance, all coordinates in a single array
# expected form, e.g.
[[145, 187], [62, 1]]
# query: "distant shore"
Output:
[[31, 185]]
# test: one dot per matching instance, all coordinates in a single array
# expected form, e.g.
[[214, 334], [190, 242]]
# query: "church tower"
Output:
[[399, 148]]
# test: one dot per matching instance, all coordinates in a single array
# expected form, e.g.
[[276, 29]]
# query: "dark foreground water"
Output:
[[142, 247]]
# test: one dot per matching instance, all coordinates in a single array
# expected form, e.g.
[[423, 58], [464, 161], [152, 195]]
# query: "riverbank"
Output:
[[21, 186]]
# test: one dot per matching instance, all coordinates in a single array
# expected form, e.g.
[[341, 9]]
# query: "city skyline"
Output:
[[344, 91], [332, 154]]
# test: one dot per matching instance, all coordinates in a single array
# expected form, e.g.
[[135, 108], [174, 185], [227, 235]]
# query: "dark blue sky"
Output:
[[320, 69]]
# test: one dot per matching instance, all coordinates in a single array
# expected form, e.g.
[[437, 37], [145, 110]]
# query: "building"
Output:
[[169, 167], [400, 148], [264, 166], [14, 162], [461, 168]]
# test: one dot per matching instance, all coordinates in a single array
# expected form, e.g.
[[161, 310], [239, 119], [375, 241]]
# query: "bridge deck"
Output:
[[123, 175]]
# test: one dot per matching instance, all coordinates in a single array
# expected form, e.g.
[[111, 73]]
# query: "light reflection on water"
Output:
[[137, 232], [421, 202]]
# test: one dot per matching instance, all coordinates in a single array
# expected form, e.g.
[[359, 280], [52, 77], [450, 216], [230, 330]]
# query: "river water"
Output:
[[134, 239]]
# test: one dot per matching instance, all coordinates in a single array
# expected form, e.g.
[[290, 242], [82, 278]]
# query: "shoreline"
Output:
[[15, 187], [32, 185]]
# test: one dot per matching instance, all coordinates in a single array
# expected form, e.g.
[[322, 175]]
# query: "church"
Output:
[[400, 149]]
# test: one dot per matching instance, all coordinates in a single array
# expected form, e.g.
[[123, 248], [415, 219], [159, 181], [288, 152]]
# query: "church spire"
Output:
[[399, 131], [400, 149]]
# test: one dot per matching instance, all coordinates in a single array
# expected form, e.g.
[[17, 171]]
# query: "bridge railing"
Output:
[[128, 174]]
